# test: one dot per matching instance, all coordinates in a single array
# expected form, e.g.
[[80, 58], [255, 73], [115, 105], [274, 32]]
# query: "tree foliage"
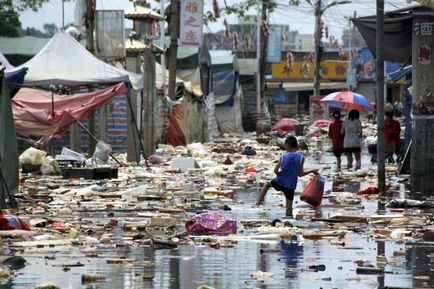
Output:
[[9, 14]]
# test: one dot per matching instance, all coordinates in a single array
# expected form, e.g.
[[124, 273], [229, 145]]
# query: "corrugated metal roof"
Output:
[[248, 66], [134, 45], [140, 12]]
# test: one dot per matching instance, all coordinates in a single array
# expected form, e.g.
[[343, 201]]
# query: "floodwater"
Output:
[[190, 266]]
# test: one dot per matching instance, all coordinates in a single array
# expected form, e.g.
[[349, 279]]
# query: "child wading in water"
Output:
[[287, 170]]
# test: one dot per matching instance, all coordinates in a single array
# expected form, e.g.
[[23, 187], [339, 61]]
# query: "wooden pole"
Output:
[[317, 59], [90, 27], [380, 96], [262, 58], [174, 32]]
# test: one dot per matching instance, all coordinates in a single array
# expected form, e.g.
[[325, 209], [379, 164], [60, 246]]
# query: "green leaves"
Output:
[[9, 17]]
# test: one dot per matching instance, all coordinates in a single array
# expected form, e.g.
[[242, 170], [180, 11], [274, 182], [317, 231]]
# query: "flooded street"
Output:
[[216, 144], [294, 261]]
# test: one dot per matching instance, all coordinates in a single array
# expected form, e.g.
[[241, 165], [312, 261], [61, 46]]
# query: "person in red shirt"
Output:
[[392, 140], [337, 138]]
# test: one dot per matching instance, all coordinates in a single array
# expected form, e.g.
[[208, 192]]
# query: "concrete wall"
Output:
[[365, 89], [422, 172], [422, 155]]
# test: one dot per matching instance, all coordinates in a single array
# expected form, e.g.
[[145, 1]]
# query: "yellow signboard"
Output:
[[332, 70]]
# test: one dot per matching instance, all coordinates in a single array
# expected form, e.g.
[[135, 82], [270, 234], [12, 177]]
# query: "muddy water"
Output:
[[191, 266]]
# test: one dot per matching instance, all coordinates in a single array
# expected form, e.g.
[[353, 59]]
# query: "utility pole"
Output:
[[174, 32], [149, 99], [351, 72], [380, 96], [163, 44], [63, 14], [317, 67], [258, 62], [90, 27], [317, 59], [262, 56]]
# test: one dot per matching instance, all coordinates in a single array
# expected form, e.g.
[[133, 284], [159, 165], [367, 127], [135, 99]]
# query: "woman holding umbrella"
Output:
[[352, 127], [352, 131]]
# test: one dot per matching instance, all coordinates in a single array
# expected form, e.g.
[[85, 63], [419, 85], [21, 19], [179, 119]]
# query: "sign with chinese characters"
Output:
[[331, 70], [423, 72], [274, 45], [191, 23], [318, 109]]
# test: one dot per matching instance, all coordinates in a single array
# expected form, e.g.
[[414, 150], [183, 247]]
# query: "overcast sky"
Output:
[[299, 18]]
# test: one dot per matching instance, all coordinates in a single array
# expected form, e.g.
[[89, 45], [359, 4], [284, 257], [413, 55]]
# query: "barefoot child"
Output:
[[287, 170]]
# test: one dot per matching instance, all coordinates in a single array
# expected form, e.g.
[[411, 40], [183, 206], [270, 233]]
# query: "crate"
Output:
[[90, 173], [72, 163], [27, 168]]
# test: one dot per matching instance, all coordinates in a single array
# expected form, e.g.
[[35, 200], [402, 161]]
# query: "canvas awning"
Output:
[[15, 79], [397, 33], [33, 109]]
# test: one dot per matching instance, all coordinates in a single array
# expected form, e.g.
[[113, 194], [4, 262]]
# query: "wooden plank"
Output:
[[44, 243]]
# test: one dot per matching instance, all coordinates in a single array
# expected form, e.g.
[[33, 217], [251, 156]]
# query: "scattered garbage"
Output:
[[262, 276], [100, 156], [285, 125], [249, 151], [211, 224], [199, 195], [407, 203], [32, 156], [313, 192], [369, 191]]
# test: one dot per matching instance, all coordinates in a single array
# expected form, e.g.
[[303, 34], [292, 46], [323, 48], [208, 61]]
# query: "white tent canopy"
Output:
[[5, 62], [64, 61]]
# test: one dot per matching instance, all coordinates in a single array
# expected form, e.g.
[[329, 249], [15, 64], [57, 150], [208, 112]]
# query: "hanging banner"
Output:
[[274, 45], [318, 109], [110, 38], [423, 73], [191, 22]]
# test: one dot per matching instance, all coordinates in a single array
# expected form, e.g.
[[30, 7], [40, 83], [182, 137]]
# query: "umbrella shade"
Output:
[[348, 100]]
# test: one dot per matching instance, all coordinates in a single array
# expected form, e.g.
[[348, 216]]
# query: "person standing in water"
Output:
[[289, 167], [337, 138], [352, 132]]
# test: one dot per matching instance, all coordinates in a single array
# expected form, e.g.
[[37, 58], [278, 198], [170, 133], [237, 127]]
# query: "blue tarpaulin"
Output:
[[224, 87], [15, 79], [400, 73], [365, 65]]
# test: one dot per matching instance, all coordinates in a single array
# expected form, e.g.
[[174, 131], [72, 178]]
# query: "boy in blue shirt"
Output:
[[287, 170]]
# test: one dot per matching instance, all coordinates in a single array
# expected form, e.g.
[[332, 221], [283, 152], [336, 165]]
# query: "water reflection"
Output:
[[291, 253], [191, 266], [422, 265]]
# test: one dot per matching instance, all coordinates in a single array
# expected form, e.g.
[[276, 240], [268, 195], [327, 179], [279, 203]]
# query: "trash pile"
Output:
[[187, 195]]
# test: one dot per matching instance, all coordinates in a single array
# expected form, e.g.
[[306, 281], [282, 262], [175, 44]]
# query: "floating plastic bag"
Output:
[[248, 151], [211, 224], [369, 191], [102, 153], [285, 125], [32, 156], [50, 166], [321, 123], [314, 191]]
